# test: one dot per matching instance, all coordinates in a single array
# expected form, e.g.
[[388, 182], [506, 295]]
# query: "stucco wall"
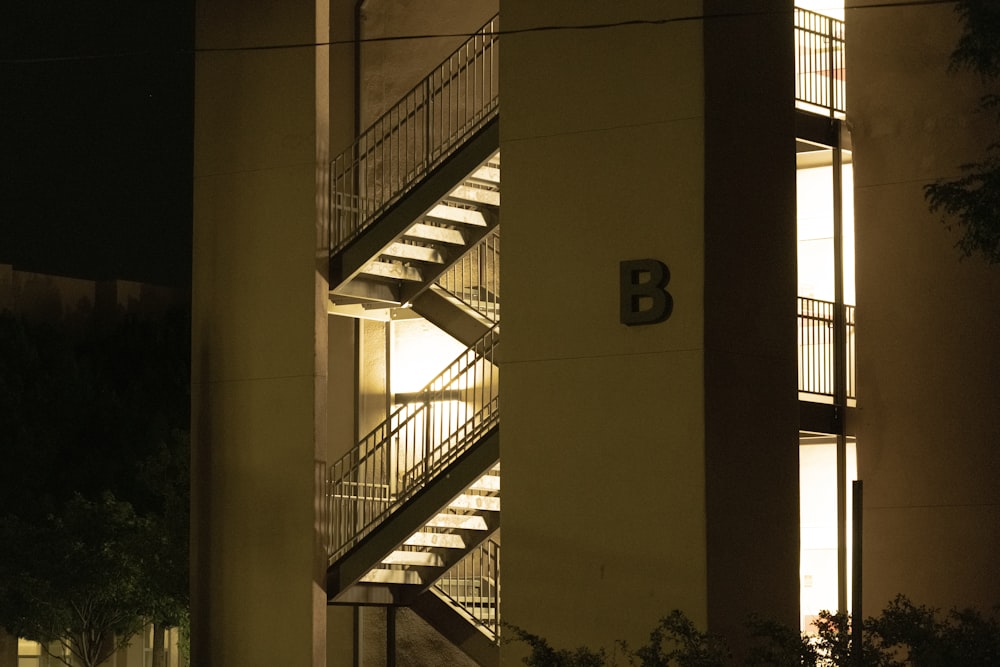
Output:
[[928, 326]]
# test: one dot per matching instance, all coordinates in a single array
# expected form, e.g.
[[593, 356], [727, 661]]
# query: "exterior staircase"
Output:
[[420, 187], [412, 514]]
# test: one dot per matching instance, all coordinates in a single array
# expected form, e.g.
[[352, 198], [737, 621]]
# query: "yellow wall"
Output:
[[927, 321], [653, 467], [603, 425], [259, 336]]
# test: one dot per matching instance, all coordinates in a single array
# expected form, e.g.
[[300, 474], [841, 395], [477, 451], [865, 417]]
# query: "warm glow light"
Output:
[[815, 224], [818, 516], [834, 8], [419, 352]]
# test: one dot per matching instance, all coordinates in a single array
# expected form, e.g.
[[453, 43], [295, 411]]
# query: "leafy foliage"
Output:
[[78, 579], [543, 655], [904, 635], [94, 490], [971, 202], [926, 638], [979, 46]]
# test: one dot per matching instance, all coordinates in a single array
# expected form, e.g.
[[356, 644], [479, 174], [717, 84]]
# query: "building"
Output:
[[676, 434]]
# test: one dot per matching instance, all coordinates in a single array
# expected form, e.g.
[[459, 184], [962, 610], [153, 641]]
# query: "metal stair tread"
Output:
[[416, 558], [486, 483], [454, 214], [472, 502], [385, 576], [439, 540], [469, 195], [486, 174], [419, 253], [392, 270], [458, 521], [433, 234]]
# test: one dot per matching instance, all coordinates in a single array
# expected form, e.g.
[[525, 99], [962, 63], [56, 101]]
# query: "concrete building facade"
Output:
[[675, 179]]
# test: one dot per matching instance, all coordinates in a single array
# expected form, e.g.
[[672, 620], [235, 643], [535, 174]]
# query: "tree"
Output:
[[93, 421], [76, 579], [972, 201]]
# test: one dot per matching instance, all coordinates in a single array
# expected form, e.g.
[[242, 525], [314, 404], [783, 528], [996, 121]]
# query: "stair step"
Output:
[[470, 502], [393, 270], [384, 576], [432, 234], [486, 174], [443, 540], [415, 558], [417, 253], [458, 521], [464, 216], [468, 195], [486, 483]]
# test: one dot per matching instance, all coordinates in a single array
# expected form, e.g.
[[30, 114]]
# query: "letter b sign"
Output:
[[644, 298]]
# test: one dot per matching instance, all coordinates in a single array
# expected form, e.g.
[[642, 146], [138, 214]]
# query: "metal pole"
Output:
[[857, 617], [839, 362], [390, 637]]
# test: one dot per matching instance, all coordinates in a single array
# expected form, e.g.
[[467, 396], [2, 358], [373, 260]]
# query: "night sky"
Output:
[[96, 138]]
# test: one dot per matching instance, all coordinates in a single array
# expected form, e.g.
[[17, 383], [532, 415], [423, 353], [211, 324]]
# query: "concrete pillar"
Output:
[[751, 408], [648, 468], [259, 333], [927, 320]]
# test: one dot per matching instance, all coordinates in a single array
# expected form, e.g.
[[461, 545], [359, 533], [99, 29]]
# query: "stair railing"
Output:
[[475, 278], [416, 135], [819, 61], [473, 586], [429, 431]]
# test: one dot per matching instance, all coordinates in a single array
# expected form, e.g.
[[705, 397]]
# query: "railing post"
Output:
[[831, 62], [427, 429], [427, 122]]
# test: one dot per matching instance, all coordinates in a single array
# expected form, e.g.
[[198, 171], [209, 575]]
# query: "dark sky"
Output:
[[95, 138]]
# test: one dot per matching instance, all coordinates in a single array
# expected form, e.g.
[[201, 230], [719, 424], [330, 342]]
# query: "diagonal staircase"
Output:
[[411, 513], [420, 187], [422, 489]]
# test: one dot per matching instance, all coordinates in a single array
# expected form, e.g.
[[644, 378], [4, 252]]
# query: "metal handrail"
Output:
[[816, 348], [410, 448], [416, 135], [475, 278], [819, 61], [473, 586]]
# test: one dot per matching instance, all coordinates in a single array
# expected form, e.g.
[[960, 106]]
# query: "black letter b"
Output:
[[632, 291]]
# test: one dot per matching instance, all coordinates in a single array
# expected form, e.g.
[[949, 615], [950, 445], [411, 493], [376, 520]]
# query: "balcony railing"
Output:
[[819, 62], [817, 359], [415, 136]]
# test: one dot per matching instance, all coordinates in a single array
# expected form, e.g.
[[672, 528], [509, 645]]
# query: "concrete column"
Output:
[[258, 334], [751, 408], [648, 468], [927, 319], [603, 427]]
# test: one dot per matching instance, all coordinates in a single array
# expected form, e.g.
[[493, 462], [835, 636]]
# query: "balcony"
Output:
[[818, 346], [819, 64]]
